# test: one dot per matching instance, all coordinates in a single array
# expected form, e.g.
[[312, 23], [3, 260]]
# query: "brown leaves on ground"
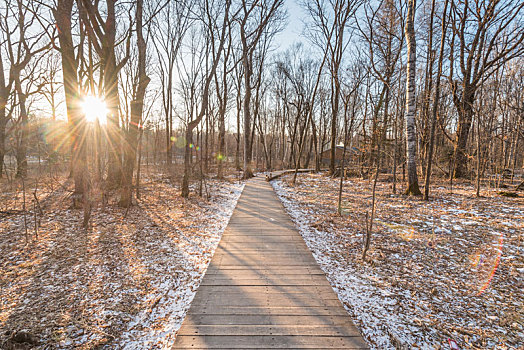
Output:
[[451, 269], [72, 287]]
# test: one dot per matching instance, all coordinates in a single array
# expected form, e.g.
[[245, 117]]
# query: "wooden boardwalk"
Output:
[[264, 289]]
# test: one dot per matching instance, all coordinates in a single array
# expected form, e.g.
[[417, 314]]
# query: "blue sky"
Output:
[[292, 32]]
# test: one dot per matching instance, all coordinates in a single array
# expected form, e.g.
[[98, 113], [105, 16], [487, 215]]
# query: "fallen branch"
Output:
[[271, 177]]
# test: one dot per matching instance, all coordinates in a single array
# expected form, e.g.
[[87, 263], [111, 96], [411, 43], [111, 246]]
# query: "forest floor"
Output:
[[448, 273], [125, 282]]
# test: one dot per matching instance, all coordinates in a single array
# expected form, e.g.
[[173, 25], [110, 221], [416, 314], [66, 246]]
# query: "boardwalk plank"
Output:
[[226, 290], [264, 289], [301, 310], [243, 273], [270, 342], [313, 320], [274, 300], [270, 330]]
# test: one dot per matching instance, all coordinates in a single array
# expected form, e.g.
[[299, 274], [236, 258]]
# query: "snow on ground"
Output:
[[126, 282], [440, 273]]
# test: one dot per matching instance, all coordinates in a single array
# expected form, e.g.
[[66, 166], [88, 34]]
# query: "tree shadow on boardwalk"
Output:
[[263, 287]]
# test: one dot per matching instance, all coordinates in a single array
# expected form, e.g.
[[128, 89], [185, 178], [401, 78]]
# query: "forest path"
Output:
[[264, 289]]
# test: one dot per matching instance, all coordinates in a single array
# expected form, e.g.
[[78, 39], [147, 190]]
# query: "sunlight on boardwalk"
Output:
[[263, 288]]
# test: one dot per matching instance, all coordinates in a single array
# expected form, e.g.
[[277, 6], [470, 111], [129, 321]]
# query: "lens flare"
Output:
[[180, 142], [485, 263], [94, 108], [405, 232]]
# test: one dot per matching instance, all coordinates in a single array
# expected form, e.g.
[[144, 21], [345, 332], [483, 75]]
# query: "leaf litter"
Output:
[[125, 282], [440, 274]]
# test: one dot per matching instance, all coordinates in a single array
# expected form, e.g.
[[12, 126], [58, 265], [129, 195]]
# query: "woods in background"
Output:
[[200, 87]]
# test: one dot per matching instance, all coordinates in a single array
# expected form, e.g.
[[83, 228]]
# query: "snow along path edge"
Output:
[[361, 299], [174, 294]]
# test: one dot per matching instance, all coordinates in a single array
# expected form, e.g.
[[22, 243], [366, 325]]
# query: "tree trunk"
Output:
[[237, 153], [411, 136], [139, 161], [3, 116], [343, 164], [221, 142], [21, 149], [110, 71], [187, 160], [334, 116], [435, 105], [76, 122], [248, 146], [3, 122], [465, 108], [477, 192], [137, 105], [169, 154], [223, 99], [205, 100]]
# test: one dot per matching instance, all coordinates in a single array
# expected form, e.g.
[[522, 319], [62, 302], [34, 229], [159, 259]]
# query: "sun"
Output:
[[94, 108]]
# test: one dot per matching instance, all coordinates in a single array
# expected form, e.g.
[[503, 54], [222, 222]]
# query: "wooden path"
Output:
[[264, 289]]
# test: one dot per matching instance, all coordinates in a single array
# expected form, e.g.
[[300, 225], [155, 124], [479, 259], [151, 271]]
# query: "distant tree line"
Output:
[[198, 87]]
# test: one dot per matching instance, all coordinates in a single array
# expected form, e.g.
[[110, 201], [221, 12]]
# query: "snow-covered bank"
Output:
[[126, 282], [155, 327], [444, 272]]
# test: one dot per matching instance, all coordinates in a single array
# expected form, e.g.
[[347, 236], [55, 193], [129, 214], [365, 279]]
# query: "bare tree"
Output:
[[101, 26], [170, 26], [211, 29], [137, 106], [411, 135], [22, 45], [222, 93], [487, 34], [63, 14], [5, 88], [383, 35], [256, 18], [52, 88], [436, 99], [330, 19]]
